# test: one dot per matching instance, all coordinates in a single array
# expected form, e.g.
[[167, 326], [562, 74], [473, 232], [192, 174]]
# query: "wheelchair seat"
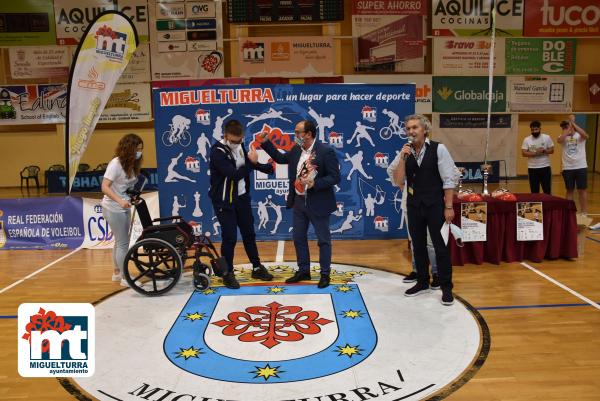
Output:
[[179, 234]]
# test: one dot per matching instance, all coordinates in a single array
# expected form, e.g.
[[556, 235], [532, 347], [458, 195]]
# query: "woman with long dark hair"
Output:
[[121, 174]]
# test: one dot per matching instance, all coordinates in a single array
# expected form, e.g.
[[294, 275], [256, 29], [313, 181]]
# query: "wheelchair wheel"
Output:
[[201, 281], [152, 267]]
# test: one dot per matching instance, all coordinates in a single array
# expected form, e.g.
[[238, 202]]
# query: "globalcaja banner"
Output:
[[41, 223], [33, 104], [474, 17], [363, 123], [466, 56], [468, 94], [529, 56], [389, 35], [311, 56], [540, 93], [465, 136], [562, 18], [60, 223], [105, 50], [27, 22]]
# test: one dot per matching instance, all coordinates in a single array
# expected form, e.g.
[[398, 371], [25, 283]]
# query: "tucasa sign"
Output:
[[461, 94], [566, 18]]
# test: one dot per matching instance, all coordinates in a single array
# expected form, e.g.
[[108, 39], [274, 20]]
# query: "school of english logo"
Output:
[[360, 338], [56, 340]]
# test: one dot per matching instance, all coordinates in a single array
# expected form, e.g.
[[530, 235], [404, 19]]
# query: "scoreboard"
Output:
[[285, 10]]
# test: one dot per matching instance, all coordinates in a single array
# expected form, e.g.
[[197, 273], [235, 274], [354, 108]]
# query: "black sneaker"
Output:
[[230, 281], [411, 278], [298, 277], [417, 289], [324, 281], [447, 297], [261, 273], [435, 282]]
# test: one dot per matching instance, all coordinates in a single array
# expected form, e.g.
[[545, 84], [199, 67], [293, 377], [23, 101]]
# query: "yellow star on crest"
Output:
[[209, 291], [195, 316], [188, 352], [343, 288], [267, 371], [352, 313], [348, 350], [276, 290]]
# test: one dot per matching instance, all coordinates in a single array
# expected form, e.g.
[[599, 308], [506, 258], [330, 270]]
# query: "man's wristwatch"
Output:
[[448, 207]]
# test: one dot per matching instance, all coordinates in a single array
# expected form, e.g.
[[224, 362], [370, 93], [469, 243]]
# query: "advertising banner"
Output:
[[28, 62], [33, 104], [530, 221], [99, 61], [473, 221], [74, 16], [389, 35], [474, 17], [27, 22], [466, 56], [362, 123], [128, 102], [138, 69], [562, 18], [540, 93], [465, 136], [137, 12], [527, 56], [594, 88], [186, 39], [41, 223], [468, 94], [423, 87], [473, 172], [90, 181], [310, 56]]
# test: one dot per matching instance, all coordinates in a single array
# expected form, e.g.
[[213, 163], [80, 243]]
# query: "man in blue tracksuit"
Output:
[[313, 171], [230, 168]]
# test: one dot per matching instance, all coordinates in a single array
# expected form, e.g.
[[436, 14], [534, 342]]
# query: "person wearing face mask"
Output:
[[536, 147], [313, 171], [230, 168], [121, 174]]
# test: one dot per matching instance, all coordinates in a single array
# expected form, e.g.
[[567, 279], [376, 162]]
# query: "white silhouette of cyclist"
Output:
[[179, 124]]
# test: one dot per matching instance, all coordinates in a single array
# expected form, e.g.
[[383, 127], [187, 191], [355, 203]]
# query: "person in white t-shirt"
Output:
[[121, 174], [536, 147], [574, 161]]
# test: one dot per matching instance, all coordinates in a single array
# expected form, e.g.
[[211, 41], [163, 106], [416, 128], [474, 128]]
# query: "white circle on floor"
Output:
[[358, 339]]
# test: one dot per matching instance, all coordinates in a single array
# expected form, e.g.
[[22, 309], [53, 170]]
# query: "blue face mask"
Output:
[[138, 154], [299, 141]]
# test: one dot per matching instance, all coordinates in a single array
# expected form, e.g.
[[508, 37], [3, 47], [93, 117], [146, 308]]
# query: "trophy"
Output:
[[307, 170], [487, 170], [460, 179]]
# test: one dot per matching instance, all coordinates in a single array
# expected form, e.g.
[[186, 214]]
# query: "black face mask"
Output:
[[536, 134]]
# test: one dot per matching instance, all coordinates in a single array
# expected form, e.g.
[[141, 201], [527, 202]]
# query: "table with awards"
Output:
[[514, 228]]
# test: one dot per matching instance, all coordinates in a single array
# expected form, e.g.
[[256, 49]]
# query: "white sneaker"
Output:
[[116, 277], [124, 283], [595, 227]]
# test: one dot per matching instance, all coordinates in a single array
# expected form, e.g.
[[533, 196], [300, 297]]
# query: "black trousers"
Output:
[[301, 218], [420, 218], [230, 219], [539, 176]]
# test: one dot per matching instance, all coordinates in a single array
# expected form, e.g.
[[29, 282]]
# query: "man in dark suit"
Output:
[[230, 167], [313, 170]]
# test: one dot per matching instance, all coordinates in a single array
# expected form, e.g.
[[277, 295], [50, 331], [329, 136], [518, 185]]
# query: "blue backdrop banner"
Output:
[[363, 123], [41, 223]]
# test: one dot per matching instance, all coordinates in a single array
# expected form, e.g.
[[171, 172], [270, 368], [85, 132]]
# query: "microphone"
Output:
[[410, 141]]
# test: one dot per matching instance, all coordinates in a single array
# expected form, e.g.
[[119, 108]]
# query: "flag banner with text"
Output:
[[102, 55], [362, 123]]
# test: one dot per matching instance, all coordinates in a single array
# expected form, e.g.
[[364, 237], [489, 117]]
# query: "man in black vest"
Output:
[[431, 177]]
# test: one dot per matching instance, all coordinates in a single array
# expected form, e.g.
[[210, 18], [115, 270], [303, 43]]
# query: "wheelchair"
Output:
[[154, 264]]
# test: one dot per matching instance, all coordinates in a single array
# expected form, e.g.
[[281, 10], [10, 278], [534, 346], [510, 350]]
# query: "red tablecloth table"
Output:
[[560, 233]]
